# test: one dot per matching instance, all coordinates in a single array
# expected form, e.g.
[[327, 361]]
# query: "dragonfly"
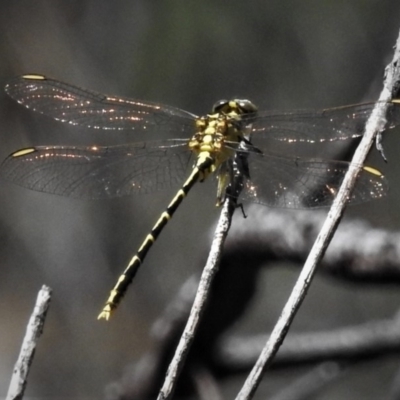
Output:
[[234, 139]]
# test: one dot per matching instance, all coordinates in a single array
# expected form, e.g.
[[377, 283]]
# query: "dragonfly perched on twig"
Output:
[[230, 141]]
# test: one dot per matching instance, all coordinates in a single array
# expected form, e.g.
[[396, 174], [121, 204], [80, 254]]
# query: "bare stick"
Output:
[[351, 344], [33, 332], [374, 125], [207, 276]]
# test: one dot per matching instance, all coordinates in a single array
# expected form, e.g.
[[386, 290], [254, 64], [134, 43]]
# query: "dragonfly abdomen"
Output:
[[116, 294]]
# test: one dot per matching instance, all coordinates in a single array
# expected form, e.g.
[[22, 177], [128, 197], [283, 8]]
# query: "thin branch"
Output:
[[351, 343], [375, 124], [358, 252], [33, 332], [206, 279]]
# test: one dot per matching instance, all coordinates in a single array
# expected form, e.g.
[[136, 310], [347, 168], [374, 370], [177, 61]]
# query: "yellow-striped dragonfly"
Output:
[[231, 140]]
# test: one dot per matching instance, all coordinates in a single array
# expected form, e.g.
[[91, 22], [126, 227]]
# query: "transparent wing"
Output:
[[78, 106], [283, 182], [98, 172], [319, 125]]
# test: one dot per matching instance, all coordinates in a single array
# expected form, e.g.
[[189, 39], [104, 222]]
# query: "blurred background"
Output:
[[281, 55]]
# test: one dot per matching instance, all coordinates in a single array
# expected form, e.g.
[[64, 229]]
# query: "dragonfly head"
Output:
[[242, 111], [238, 106]]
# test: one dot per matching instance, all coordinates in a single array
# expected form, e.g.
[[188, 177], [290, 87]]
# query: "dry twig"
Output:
[[33, 332], [199, 302]]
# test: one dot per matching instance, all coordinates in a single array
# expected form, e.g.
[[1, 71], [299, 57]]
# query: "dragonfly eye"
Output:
[[237, 105], [246, 109], [220, 106], [245, 106]]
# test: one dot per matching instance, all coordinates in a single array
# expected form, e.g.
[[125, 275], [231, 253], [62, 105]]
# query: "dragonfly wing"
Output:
[[318, 126], [71, 104], [98, 172], [283, 182]]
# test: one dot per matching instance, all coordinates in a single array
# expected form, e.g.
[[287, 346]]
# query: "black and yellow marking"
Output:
[[127, 276]]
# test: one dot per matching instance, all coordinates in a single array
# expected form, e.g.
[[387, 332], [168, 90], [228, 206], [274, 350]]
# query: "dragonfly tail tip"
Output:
[[105, 313]]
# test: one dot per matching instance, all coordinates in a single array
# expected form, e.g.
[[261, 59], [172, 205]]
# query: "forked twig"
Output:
[[374, 126], [206, 279], [33, 332]]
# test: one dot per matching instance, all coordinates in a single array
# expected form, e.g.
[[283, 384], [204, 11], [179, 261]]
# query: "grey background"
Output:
[[281, 55]]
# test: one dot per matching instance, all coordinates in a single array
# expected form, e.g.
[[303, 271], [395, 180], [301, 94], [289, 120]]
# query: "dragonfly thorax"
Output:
[[226, 125], [214, 132]]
